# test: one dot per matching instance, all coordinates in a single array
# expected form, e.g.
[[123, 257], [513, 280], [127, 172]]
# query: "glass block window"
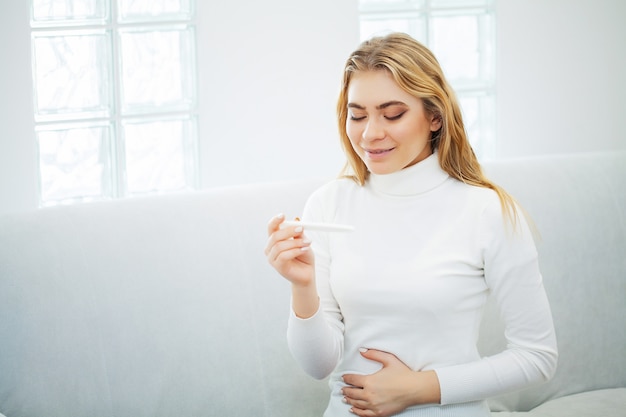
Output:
[[115, 97], [461, 33]]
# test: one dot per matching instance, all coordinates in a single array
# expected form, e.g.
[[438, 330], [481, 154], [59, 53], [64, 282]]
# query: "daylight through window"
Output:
[[115, 97]]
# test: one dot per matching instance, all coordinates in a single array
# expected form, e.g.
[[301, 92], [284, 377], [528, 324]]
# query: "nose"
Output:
[[373, 130]]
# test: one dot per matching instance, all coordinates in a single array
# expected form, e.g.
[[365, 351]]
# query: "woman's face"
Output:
[[387, 127]]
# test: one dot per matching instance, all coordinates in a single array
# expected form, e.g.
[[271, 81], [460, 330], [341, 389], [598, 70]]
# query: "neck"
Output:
[[415, 179]]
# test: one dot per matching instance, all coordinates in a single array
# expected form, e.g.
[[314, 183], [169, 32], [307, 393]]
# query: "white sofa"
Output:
[[165, 306]]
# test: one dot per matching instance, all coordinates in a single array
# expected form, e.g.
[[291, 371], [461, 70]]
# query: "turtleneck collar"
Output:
[[414, 180]]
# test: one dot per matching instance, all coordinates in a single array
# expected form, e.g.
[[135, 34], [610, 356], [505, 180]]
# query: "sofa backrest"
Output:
[[578, 203], [156, 306], [166, 305]]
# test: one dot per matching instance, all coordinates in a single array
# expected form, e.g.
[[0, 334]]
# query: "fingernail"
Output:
[[298, 229], [345, 400], [363, 350], [305, 248], [280, 215], [306, 241]]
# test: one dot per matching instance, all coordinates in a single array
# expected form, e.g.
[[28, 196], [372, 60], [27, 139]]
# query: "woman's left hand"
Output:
[[391, 390]]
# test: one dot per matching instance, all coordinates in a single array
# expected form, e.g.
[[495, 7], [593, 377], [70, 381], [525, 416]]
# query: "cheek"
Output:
[[417, 133], [354, 133]]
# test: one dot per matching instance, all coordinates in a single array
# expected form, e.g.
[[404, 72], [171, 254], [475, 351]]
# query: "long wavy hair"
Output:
[[417, 71]]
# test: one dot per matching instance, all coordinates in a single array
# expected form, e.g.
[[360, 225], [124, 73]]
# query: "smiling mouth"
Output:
[[378, 151]]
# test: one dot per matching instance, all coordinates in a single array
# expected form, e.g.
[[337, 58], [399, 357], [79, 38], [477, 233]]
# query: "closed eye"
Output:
[[356, 118], [396, 117]]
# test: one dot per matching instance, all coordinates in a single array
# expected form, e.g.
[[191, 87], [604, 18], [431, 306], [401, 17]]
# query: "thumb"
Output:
[[378, 356]]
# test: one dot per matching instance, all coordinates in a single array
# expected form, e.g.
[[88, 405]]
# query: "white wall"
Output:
[[18, 160], [561, 76], [269, 75]]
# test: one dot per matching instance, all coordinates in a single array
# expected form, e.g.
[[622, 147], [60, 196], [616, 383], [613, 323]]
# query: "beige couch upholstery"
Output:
[[165, 305]]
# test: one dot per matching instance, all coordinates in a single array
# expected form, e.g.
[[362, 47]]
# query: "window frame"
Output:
[[113, 25]]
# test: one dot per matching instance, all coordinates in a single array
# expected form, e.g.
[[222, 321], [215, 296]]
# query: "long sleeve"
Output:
[[317, 342], [512, 273]]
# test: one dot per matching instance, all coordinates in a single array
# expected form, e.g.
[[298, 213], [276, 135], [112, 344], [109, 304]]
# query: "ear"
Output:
[[435, 123]]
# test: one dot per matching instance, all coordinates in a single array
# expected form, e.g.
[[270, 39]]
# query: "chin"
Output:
[[383, 170]]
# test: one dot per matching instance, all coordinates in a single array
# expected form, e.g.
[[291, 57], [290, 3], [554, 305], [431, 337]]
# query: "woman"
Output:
[[392, 310]]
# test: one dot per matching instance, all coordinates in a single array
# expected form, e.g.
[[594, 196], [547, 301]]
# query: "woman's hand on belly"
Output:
[[391, 390]]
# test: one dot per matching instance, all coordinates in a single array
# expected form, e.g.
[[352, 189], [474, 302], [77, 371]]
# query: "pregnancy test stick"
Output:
[[322, 227]]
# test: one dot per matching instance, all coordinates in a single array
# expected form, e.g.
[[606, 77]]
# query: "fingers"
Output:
[[359, 408], [287, 250], [274, 223], [363, 411], [379, 356], [354, 381], [281, 240], [362, 402], [284, 251], [359, 400], [276, 234], [354, 394]]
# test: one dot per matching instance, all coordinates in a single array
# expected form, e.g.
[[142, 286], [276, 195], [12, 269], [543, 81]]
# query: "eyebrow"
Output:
[[379, 107]]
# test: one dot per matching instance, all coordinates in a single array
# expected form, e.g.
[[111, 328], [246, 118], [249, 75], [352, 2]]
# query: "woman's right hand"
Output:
[[288, 251]]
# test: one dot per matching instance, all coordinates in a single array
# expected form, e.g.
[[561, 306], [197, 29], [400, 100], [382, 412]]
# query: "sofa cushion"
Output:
[[605, 403]]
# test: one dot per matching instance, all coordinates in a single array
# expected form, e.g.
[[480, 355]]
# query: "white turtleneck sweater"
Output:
[[412, 280]]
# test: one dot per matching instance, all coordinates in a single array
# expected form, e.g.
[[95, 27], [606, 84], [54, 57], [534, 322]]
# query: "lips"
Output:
[[378, 151]]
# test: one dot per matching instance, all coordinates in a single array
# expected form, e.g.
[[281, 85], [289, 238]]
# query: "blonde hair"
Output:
[[417, 71]]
